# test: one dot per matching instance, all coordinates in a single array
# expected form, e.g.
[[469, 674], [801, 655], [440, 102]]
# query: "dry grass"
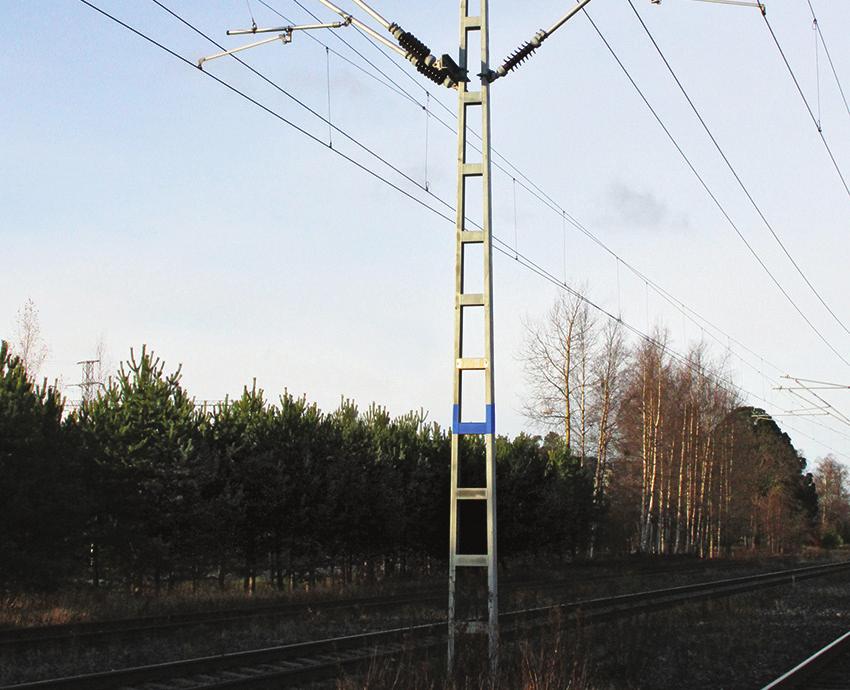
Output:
[[554, 659], [85, 605], [610, 656], [740, 642], [185, 643]]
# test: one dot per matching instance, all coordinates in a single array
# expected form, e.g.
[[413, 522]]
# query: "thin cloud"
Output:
[[629, 206]]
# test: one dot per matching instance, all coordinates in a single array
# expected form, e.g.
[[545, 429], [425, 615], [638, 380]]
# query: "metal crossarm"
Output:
[[478, 298], [284, 36]]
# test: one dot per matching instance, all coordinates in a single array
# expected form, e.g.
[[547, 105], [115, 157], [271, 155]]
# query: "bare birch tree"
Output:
[[29, 344], [607, 375], [833, 484], [549, 359]]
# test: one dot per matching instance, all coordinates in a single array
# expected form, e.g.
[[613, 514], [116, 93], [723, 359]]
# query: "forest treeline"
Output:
[[139, 488], [679, 462]]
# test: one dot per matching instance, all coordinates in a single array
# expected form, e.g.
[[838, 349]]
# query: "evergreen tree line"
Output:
[[140, 489]]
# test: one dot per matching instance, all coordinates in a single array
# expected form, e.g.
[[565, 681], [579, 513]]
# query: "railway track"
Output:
[[315, 660], [826, 669], [92, 632]]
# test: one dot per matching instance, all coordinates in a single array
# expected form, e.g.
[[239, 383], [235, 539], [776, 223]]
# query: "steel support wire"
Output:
[[806, 103], [306, 107], [549, 202], [528, 185], [733, 170], [526, 50], [504, 249], [829, 57], [713, 197]]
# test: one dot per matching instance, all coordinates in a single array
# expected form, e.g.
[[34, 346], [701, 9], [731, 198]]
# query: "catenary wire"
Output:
[[829, 57], [711, 194], [544, 198], [501, 246], [663, 293], [531, 187], [185, 22], [536, 191], [548, 201], [446, 204], [806, 102], [676, 303], [300, 103], [733, 170], [267, 109]]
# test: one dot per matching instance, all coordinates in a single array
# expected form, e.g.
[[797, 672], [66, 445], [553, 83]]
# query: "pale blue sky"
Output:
[[142, 201]]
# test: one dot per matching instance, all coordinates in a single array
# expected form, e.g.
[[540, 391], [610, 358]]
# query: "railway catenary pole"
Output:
[[468, 298], [444, 71]]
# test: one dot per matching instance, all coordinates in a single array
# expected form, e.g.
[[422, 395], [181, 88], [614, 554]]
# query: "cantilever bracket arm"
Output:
[[284, 36], [288, 29], [741, 3]]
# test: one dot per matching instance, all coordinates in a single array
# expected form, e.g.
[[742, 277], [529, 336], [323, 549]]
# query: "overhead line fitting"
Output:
[[740, 3], [443, 71], [284, 36], [519, 56], [526, 50]]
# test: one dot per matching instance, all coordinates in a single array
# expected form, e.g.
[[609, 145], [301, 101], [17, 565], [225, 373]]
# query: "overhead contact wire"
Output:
[[806, 102], [550, 203], [504, 249], [735, 172], [829, 57], [265, 108], [711, 194]]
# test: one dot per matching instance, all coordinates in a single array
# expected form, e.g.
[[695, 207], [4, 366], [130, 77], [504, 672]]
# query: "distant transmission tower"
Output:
[[90, 383]]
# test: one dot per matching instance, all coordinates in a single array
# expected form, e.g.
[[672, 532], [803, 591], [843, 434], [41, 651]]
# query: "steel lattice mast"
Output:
[[469, 504], [468, 298]]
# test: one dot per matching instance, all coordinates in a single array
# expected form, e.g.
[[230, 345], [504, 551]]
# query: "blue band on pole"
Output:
[[486, 427]]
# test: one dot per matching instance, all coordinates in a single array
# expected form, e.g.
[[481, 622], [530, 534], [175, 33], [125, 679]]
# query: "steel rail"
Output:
[[90, 631], [74, 632], [313, 660], [826, 668]]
